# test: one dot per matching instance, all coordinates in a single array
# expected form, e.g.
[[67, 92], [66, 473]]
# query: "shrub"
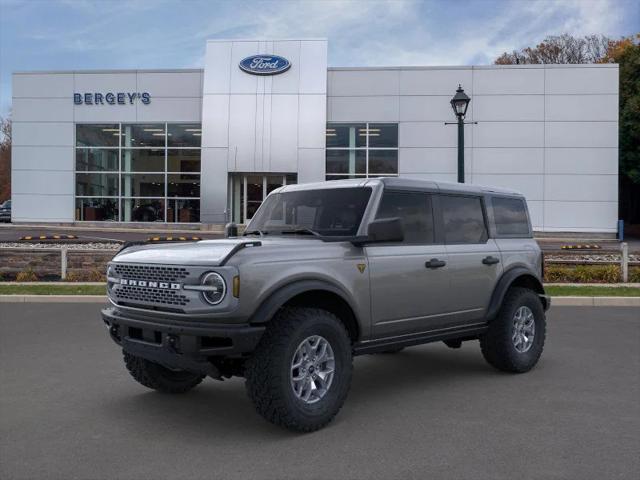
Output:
[[634, 274], [27, 275], [582, 273], [73, 277], [94, 275]]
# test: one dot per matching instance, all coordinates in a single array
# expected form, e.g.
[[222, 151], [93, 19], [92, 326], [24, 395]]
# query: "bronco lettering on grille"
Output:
[[150, 284]]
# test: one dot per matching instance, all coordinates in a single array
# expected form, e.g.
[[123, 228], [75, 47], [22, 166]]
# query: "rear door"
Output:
[[409, 279], [474, 259]]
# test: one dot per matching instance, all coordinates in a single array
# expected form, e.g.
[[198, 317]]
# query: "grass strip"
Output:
[[591, 291], [53, 289]]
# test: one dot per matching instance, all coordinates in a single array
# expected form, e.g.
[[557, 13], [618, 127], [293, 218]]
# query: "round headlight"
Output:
[[110, 274], [215, 288]]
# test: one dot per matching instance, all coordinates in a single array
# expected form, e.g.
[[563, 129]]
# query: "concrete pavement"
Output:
[[69, 410]]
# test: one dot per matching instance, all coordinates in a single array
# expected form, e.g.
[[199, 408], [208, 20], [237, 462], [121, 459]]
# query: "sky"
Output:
[[107, 34]]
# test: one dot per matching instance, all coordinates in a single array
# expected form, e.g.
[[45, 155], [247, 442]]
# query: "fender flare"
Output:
[[506, 280], [282, 295]]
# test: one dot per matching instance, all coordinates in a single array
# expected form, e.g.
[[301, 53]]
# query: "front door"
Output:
[[409, 279]]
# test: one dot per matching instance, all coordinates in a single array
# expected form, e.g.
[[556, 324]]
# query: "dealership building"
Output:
[[207, 145]]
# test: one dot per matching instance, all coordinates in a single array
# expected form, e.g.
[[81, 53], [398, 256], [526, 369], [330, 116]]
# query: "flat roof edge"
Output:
[[226, 40], [103, 71], [478, 67]]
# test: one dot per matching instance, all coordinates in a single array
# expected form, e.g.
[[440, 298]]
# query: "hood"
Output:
[[208, 252]]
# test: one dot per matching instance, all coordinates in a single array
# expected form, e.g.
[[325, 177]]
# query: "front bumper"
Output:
[[179, 344], [546, 301]]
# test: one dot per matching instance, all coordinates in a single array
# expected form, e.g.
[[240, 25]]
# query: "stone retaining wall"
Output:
[[46, 265]]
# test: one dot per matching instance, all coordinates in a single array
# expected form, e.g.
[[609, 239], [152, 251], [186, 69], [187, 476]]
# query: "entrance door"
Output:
[[248, 191]]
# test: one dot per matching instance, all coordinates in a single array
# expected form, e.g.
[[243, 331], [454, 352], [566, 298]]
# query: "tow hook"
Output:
[[172, 341], [113, 331]]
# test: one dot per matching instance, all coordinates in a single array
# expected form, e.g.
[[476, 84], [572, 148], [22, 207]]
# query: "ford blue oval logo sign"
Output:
[[265, 64]]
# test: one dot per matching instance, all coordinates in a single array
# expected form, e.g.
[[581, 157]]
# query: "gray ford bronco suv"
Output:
[[324, 272]]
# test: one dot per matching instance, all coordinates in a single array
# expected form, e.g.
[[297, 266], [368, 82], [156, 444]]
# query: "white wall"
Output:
[[549, 131], [44, 114], [256, 123]]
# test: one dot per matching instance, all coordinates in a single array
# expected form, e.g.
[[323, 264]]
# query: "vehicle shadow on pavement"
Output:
[[223, 407]]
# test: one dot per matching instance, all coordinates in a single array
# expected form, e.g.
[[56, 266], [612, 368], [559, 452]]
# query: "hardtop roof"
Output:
[[401, 182]]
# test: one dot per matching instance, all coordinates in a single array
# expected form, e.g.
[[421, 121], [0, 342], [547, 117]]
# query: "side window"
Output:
[[510, 216], [414, 209], [463, 219]]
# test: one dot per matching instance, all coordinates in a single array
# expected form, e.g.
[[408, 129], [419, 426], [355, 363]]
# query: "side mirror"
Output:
[[230, 230], [383, 230]]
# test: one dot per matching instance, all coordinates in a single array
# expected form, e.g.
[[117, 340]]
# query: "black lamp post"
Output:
[[460, 103]]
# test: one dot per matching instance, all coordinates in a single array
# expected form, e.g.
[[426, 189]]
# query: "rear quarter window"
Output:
[[510, 215]]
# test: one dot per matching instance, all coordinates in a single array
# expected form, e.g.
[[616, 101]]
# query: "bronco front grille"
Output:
[[133, 294], [152, 272]]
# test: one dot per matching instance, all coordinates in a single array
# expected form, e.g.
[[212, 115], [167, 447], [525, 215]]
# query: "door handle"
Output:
[[490, 260], [435, 263]]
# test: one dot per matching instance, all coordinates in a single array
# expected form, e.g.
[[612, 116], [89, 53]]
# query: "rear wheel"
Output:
[[299, 375], [157, 377], [515, 339]]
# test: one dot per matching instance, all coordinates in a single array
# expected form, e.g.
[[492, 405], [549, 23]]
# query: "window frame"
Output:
[[120, 148], [494, 224], [366, 148], [438, 239], [483, 207]]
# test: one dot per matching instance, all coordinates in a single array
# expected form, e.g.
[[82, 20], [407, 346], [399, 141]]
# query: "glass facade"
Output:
[[138, 172], [361, 150], [247, 192]]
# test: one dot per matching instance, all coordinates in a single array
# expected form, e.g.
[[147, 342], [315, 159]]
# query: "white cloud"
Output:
[[172, 34], [406, 32]]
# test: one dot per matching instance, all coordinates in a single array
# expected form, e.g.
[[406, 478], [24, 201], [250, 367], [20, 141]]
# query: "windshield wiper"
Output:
[[254, 232], [300, 231]]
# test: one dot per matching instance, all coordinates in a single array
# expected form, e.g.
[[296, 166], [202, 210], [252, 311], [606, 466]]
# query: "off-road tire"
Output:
[[268, 371], [157, 377], [496, 344]]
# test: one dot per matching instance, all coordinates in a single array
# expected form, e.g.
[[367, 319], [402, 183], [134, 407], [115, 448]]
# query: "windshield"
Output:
[[323, 212], [6, 204]]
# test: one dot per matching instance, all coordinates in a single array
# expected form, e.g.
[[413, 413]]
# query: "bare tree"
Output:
[[563, 48], [5, 158]]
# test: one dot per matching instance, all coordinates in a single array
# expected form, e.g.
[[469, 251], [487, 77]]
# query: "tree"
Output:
[[626, 53], [600, 49], [5, 159], [560, 49]]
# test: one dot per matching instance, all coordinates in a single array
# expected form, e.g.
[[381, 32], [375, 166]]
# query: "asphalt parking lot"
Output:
[[68, 410]]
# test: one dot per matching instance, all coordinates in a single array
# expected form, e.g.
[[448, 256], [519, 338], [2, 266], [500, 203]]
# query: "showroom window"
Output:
[[138, 172], [361, 150]]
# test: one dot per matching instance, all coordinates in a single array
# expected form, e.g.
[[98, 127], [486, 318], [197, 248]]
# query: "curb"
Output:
[[608, 285], [53, 298], [555, 301], [595, 301]]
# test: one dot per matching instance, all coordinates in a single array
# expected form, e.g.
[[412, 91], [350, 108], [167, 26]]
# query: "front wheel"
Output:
[[515, 338], [299, 375]]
